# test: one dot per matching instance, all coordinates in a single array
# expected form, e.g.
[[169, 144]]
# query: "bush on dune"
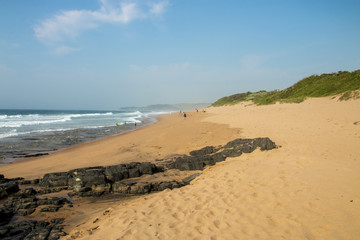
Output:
[[343, 82]]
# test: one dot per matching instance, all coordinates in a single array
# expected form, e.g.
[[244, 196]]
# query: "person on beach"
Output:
[[184, 115], [135, 124]]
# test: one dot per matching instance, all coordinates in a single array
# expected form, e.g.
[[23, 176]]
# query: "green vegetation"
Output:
[[343, 82], [240, 97]]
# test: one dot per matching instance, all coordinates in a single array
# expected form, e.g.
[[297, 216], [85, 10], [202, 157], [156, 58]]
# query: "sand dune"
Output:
[[307, 189]]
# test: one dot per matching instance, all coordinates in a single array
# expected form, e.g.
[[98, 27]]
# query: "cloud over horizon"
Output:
[[69, 24]]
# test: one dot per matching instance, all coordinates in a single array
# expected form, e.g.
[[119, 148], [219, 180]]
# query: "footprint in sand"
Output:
[[217, 224]]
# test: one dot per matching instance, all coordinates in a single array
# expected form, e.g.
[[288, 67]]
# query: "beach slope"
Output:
[[309, 188]]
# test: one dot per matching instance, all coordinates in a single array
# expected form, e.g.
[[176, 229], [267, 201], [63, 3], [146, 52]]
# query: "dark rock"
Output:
[[35, 155], [101, 188], [25, 182], [51, 190], [264, 144], [188, 179], [5, 216], [218, 157], [50, 209], [249, 145], [230, 152], [54, 179], [25, 212], [56, 233], [120, 187], [27, 192], [204, 151], [16, 180], [57, 220], [134, 172], [116, 172], [31, 230], [146, 168], [34, 181], [18, 230], [3, 193], [21, 203], [238, 142], [59, 201], [140, 188], [39, 234], [238, 146], [160, 186], [205, 156], [27, 205], [86, 177], [7, 189], [189, 163]]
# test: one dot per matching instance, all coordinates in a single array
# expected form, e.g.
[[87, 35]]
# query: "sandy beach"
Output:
[[308, 188]]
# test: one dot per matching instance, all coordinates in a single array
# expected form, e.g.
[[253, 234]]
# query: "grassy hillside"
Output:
[[240, 97], [342, 82]]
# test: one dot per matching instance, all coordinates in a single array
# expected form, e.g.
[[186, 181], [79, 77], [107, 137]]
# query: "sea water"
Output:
[[24, 132]]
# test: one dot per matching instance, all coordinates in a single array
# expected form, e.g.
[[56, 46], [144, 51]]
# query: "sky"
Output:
[[107, 54]]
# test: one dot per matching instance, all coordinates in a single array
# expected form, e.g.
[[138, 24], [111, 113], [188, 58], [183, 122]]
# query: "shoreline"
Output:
[[144, 144], [307, 188], [33, 154], [35, 145]]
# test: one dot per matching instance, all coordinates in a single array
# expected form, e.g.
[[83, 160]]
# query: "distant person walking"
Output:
[[184, 115]]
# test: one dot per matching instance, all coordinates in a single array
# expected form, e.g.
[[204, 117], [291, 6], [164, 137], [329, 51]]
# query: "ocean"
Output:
[[27, 133]]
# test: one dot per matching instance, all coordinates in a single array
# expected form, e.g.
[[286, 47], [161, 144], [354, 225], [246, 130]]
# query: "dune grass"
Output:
[[343, 82]]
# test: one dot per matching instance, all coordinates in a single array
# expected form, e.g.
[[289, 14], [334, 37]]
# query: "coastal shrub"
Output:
[[327, 84], [240, 97]]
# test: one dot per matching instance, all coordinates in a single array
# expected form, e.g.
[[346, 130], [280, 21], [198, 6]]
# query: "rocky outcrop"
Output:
[[7, 189], [27, 205], [144, 187], [5, 215], [98, 179], [95, 181], [210, 155], [32, 229], [204, 151], [54, 179], [187, 180]]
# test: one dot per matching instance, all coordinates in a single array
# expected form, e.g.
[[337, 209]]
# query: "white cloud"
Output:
[[67, 25], [159, 7]]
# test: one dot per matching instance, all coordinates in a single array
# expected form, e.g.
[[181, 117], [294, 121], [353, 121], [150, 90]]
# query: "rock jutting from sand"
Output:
[[210, 155], [95, 181]]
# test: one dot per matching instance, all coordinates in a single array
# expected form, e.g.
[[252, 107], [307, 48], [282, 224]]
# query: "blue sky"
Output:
[[112, 53]]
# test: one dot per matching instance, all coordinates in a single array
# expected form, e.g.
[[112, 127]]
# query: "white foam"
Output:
[[11, 133], [14, 121], [14, 124]]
